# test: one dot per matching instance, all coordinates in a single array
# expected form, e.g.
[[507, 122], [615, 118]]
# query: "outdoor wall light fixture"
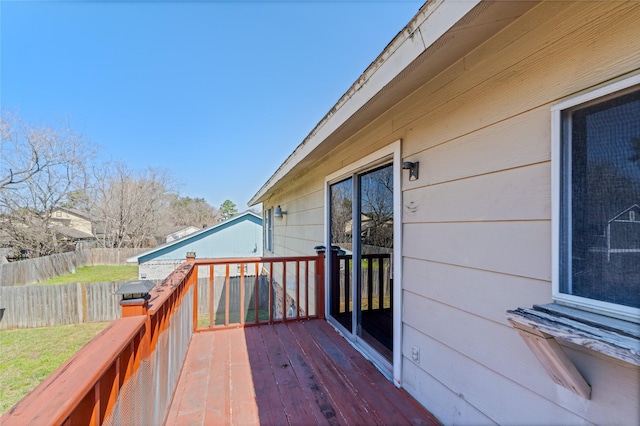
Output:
[[278, 212], [413, 169]]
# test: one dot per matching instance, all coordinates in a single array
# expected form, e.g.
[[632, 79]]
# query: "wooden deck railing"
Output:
[[377, 293], [254, 291], [99, 381], [128, 373]]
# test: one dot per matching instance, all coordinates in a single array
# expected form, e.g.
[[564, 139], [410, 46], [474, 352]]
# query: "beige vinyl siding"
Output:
[[551, 62], [439, 398], [516, 194], [485, 294], [477, 223], [492, 394], [301, 229], [477, 229]]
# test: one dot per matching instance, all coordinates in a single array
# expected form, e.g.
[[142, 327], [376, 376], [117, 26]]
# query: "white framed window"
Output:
[[268, 229], [596, 199]]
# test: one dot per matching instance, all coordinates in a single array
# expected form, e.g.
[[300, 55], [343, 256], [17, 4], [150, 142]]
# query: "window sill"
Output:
[[542, 325]]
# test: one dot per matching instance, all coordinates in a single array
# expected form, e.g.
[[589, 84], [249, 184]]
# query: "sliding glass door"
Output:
[[361, 278]]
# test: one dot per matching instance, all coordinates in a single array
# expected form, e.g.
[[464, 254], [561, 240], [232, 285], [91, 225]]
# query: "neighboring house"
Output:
[[240, 236], [73, 226], [72, 235], [518, 124], [74, 219], [180, 232]]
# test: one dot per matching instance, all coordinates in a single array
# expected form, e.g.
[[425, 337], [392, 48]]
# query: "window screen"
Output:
[[600, 250]]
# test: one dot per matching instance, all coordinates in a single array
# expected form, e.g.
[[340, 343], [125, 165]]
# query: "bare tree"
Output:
[[376, 189], [39, 167], [341, 214], [187, 211], [130, 207]]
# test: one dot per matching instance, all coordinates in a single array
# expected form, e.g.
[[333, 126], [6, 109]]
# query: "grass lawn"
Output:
[[96, 274], [28, 356]]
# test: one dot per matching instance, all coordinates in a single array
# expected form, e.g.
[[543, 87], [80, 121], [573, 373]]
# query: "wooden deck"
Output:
[[298, 373]]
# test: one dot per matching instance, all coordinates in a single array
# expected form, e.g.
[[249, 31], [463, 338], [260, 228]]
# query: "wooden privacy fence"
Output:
[[42, 268], [47, 306]]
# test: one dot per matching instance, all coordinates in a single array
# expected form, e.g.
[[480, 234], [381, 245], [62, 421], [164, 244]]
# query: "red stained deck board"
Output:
[[399, 399], [238, 376], [296, 405], [370, 398], [270, 408], [243, 404], [216, 405], [320, 402], [350, 406], [383, 398], [195, 376]]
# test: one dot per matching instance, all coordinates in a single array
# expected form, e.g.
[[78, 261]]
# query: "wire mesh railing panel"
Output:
[[133, 405], [145, 397]]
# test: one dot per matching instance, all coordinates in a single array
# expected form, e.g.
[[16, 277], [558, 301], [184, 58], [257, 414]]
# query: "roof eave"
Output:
[[396, 66]]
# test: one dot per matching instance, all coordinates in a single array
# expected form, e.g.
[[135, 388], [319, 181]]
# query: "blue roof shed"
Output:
[[240, 236]]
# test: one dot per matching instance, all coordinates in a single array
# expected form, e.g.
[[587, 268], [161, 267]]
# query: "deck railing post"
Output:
[[193, 276], [320, 281], [134, 307]]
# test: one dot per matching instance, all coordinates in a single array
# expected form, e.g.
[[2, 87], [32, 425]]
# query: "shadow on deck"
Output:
[[296, 373]]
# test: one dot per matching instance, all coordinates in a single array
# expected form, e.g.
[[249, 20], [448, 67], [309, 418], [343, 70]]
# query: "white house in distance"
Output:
[[180, 232], [240, 236], [489, 146]]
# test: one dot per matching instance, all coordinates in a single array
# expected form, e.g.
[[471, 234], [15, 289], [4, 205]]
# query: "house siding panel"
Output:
[[495, 347], [477, 223], [243, 239], [450, 408], [497, 397], [486, 294], [523, 193], [485, 159], [302, 228], [238, 237], [515, 248]]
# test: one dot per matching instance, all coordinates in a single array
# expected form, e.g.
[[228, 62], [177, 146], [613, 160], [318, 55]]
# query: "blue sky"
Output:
[[217, 92]]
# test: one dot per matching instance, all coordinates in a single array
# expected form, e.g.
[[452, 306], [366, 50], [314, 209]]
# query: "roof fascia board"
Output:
[[429, 24], [194, 235]]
